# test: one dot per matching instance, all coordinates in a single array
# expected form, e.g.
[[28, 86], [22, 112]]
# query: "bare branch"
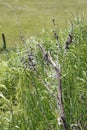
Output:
[[57, 69]]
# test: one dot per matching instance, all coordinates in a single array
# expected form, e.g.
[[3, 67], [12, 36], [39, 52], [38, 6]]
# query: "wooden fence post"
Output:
[[4, 41]]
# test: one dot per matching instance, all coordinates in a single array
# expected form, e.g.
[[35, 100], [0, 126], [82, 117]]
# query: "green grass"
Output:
[[31, 16], [25, 102]]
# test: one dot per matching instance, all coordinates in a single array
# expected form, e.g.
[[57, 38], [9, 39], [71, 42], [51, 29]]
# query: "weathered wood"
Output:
[[4, 41], [59, 98]]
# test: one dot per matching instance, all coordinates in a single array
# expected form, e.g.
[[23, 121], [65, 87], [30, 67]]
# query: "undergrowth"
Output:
[[25, 102]]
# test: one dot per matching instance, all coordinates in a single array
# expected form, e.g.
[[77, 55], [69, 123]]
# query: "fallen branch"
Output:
[[59, 98]]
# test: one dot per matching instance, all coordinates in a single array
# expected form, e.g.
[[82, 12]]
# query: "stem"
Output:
[[59, 98]]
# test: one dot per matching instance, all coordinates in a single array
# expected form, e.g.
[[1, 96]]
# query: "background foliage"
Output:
[[32, 17]]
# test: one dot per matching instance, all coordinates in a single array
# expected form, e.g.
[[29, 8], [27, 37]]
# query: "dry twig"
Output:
[[57, 69]]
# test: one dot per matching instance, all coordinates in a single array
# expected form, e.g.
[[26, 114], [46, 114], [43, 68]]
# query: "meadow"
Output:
[[43, 77], [33, 16]]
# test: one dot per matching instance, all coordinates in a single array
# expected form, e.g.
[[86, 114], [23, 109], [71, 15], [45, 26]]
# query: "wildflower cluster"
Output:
[[28, 59]]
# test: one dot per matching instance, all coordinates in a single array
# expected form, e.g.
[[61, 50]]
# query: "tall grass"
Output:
[[26, 103]]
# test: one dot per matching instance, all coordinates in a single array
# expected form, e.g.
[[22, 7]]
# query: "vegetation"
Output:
[[28, 84], [32, 68], [29, 17]]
